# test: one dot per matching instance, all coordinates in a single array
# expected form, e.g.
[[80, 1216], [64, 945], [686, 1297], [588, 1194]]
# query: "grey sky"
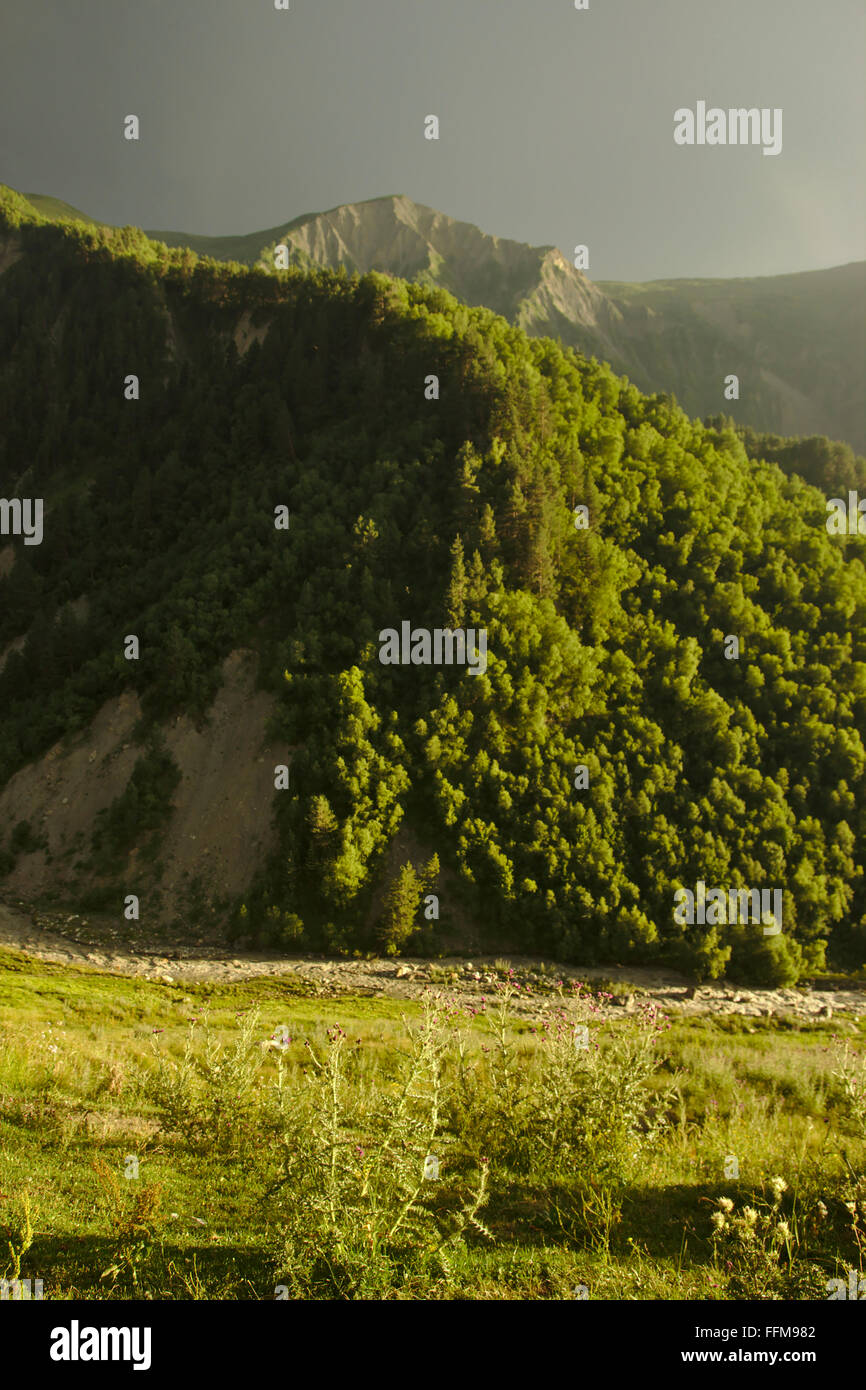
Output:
[[557, 125]]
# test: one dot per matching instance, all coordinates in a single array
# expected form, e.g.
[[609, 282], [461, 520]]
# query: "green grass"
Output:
[[200, 1222]]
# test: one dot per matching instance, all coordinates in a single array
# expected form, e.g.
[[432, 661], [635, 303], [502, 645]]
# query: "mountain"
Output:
[[533, 287], [58, 211], [797, 343], [251, 482]]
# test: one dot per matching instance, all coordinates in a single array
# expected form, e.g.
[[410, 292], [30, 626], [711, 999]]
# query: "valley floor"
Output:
[[53, 938], [130, 1167]]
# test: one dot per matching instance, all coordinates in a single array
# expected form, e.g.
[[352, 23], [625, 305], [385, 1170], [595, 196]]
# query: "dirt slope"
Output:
[[220, 829]]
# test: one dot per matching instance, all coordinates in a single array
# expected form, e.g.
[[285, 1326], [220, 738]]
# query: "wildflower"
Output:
[[778, 1186], [718, 1219], [822, 1211], [783, 1230], [750, 1215], [726, 1204]]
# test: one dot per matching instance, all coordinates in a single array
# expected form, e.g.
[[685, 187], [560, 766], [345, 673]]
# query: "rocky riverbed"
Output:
[[76, 940]]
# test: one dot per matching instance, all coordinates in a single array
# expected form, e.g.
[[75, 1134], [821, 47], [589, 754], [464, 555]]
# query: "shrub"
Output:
[[581, 1111], [364, 1213], [211, 1096], [134, 1217], [143, 806]]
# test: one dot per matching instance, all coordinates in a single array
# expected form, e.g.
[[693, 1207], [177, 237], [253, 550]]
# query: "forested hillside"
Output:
[[797, 343], [828, 464], [606, 643]]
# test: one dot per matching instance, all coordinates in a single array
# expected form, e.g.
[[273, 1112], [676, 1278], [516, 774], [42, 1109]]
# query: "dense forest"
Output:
[[828, 464], [606, 641]]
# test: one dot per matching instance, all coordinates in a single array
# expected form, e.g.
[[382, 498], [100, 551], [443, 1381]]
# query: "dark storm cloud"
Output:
[[557, 125]]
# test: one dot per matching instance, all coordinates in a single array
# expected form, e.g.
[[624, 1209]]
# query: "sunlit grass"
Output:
[[76, 1045]]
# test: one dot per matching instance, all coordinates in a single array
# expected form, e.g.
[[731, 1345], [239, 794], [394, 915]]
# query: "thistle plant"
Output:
[[850, 1072], [133, 1214], [211, 1095], [591, 1110], [18, 1235], [761, 1248], [575, 1106], [851, 1075], [361, 1211]]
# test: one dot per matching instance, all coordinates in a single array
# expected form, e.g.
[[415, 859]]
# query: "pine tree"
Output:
[[457, 585], [400, 915]]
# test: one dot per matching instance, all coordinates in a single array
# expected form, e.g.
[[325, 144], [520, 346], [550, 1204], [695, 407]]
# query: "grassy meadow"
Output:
[[253, 1142]]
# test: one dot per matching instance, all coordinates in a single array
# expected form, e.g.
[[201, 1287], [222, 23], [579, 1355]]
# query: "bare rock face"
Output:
[[534, 287]]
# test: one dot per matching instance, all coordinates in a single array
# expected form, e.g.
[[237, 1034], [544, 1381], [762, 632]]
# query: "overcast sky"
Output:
[[556, 125]]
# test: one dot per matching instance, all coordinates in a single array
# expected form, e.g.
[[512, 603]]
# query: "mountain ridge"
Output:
[[796, 341]]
